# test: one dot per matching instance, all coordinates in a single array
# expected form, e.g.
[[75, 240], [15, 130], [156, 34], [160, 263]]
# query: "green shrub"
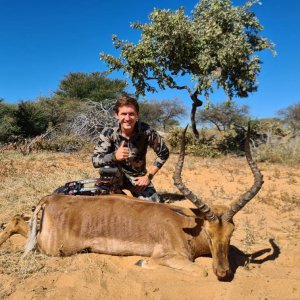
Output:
[[174, 138], [8, 130], [30, 119], [211, 143], [204, 151], [230, 141]]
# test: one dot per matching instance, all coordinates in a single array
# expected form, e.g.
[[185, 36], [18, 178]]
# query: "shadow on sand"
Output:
[[172, 197], [238, 258]]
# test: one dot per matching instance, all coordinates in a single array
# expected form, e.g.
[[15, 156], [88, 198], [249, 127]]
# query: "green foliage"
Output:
[[93, 86], [231, 141], [291, 116], [205, 146], [8, 128], [5, 108], [215, 47], [204, 150], [30, 119], [225, 115], [55, 109], [59, 110], [174, 138], [211, 143]]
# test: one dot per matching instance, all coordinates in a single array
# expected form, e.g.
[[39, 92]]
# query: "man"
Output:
[[125, 146]]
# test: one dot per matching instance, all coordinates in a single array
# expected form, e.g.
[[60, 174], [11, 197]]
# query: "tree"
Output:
[[215, 47], [172, 111], [225, 115], [150, 112], [162, 114], [93, 86], [54, 109], [291, 116]]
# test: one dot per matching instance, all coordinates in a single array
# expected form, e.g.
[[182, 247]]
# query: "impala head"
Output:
[[16, 225], [218, 226], [218, 233]]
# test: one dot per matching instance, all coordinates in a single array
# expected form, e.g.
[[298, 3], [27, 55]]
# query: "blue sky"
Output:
[[42, 41]]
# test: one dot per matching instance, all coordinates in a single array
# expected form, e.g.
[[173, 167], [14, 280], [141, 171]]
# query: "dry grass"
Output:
[[25, 179], [11, 263], [287, 153]]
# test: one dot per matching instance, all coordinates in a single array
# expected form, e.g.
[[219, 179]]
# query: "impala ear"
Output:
[[187, 214]]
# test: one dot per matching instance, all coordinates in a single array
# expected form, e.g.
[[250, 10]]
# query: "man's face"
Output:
[[127, 117]]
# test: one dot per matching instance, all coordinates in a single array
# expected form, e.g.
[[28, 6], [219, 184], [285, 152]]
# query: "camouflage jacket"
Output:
[[135, 165]]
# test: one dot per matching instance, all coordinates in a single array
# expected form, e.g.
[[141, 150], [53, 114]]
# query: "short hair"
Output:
[[126, 100]]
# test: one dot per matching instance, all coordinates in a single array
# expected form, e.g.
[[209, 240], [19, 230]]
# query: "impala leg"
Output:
[[4, 235], [175, 262]]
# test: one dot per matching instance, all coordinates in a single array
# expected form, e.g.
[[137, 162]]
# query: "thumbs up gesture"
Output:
[[123, 152]]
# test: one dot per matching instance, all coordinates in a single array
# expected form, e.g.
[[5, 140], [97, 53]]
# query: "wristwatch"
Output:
[[150, 176]]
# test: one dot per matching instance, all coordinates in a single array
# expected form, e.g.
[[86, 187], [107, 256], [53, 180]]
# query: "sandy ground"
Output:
[[264, 254]]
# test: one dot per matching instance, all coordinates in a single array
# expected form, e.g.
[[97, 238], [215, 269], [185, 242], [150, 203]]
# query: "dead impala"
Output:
[[121, 225]]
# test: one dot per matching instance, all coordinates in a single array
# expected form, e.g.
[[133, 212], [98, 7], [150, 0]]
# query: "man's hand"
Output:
[[123, 152], [140, 183]]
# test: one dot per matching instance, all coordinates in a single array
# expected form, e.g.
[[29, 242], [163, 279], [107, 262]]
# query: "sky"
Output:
[[42, 41]]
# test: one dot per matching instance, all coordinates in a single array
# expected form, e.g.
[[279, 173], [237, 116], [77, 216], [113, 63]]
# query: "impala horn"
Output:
[[258, 182], [204, 208]]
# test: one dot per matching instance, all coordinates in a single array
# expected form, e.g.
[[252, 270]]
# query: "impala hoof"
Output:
[[140, 263]]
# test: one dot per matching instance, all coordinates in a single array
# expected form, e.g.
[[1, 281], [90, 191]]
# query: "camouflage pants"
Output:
[[124, 181]]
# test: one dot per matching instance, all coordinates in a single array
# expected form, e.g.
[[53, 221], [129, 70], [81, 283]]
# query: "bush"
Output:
[[174, 138], [8, 127], [204, 151], [205, 146], [230, 142], [8, 130], [282, 153], [30, 119], [211, 143]]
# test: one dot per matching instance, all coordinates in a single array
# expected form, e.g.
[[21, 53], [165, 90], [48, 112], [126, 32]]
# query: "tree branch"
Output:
[[196, 103]]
